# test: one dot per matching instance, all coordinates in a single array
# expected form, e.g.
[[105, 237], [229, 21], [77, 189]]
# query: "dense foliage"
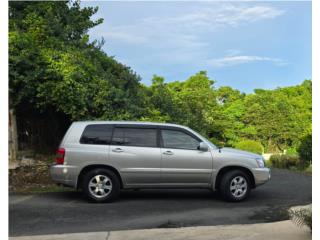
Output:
[[305, 150], [286, 161], [275, 118], [250, 145], [52, 63], [56, 75]]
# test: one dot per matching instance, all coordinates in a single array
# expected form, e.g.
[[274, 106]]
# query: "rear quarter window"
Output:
[[99, 134]]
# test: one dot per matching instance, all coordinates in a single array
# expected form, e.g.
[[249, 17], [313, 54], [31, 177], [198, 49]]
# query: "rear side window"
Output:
[[178, 140], [97, 134], [139, 137]]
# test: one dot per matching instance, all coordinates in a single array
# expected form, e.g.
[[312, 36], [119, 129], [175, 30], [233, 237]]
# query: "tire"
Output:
[[235, 186], [101, 185]]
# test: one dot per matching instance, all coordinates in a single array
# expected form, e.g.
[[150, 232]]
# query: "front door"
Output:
[[182, 163]]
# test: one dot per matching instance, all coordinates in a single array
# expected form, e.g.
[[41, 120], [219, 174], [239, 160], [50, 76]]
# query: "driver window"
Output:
[[179, 140]]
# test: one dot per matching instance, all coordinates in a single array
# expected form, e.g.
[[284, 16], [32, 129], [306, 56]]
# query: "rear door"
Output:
[[182, 162], [136, 151]]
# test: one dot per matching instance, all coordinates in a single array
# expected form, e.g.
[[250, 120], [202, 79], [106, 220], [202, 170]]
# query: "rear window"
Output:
[[97, 134], [140, 137]]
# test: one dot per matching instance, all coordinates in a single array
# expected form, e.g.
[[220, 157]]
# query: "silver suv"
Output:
[[102, 157]]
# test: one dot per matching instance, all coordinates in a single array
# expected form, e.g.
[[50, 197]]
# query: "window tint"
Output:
[[178, 139], [140, 137], [96, 134]]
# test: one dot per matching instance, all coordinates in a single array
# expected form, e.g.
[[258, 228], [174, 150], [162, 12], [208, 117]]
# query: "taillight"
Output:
[[60, 156]]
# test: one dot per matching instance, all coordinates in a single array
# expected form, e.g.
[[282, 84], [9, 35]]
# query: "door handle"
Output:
[[117, 150], [168, 153]]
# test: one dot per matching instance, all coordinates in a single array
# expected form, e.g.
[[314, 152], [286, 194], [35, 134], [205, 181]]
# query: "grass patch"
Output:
[[295, 168], [306, 171]]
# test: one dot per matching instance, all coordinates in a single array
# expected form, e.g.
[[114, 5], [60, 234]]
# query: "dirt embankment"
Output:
[[33, 176]]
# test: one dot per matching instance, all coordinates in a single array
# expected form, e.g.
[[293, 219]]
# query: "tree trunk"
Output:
[[13, 138]]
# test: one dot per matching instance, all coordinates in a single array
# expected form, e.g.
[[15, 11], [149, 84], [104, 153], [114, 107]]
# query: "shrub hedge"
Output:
[[285, 161], [305, 150], [250, 145]]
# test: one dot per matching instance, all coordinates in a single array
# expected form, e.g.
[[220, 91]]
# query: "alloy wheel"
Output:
[[238, 186], [100, 186]]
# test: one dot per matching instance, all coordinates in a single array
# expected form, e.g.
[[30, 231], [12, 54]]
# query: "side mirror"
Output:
[[203, 147]]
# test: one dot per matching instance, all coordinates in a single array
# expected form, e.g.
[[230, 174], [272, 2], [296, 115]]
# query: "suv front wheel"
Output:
[[101, 185], [235, 186]]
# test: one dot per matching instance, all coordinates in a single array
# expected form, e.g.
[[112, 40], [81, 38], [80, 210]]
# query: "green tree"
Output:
[[196, 100], [305, 150], [161, 106], [231, 102], [55, 70], [279, 117], [52, 63]]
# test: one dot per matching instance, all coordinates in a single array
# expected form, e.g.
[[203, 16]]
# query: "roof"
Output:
[[131, 122]]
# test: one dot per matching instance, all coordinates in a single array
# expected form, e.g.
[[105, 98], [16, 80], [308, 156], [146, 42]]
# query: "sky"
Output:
[[245, 45]]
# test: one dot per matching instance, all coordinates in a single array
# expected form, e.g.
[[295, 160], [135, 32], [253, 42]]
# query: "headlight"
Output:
[[260, 162]]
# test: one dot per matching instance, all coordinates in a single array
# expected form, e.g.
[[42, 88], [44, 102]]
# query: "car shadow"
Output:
[[264, 195], [200, 196], [141, 194]]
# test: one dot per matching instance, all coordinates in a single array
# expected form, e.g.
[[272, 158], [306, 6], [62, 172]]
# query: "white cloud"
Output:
[[185, 27], [216, 16], [242, 59], [182, 36], [236, 15]]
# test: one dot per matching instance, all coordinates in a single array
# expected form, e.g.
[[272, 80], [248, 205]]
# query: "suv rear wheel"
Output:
[[235, 186], [101, 185]]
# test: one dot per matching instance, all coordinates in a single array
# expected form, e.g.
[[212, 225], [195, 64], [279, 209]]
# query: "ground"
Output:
[[34, 177], [283, 230], [67, 212]]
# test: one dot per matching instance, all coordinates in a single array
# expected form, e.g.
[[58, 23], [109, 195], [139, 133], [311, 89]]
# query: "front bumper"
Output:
[[64, 174], [261, 175]]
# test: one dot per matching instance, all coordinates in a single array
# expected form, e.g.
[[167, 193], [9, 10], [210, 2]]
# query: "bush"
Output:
[[291, 150], [308, 169], [250, 145], [284, 161], [268, 163], [305, 150]]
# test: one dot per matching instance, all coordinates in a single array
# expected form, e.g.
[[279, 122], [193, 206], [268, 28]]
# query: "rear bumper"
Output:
[[64, 174], [261, 175]]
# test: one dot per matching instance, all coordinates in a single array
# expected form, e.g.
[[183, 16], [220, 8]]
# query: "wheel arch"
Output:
[[95, 166], [226, 169]]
